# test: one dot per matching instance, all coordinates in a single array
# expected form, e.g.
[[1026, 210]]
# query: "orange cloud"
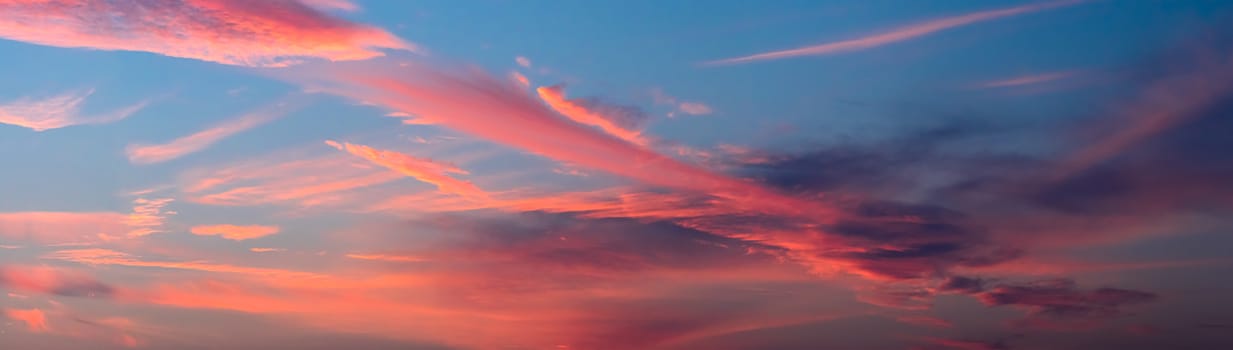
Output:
[[237, 32], [235, 232], [147, 154], [34, 319], [266, 250], [425, 170], [59, 111], [581, 113], [896, 35]]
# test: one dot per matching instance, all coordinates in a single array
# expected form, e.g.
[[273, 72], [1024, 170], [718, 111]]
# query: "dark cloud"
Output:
[[859, 167], [962, 344], [1062, 298], [962, 284]]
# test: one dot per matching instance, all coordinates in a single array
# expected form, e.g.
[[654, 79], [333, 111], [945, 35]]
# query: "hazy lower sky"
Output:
[[571, 175]]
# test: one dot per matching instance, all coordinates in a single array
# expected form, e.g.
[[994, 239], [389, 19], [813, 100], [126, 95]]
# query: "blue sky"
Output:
[[615, 174]]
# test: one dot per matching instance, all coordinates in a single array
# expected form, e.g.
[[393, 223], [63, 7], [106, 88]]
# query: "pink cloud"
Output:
[[896, 35], [62, 227], [497, 110], [235, 232], [34, 319], [51, 280], [426, 170], [98, 256], [284, 179], [687, 107], [59, 111], [386, 257], [694, 108], [1166, 103], [148, 216], [609, 120], [238, 32], [523, 61], [147, 154]]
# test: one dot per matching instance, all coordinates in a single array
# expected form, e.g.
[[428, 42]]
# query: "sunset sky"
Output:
[[611, 175]]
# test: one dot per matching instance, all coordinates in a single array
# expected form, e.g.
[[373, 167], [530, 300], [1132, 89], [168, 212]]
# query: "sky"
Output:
[[720, 174]]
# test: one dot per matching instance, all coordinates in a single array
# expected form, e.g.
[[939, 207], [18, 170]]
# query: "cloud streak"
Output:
[[157, 153], [474, 102], [237, 32], [611, 119], [426, 170], [235, 232], [59, 111], [1028, 80], [61, 227], [895, 35]]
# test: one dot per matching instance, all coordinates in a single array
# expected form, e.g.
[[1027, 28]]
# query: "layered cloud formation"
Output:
[[453, 226]]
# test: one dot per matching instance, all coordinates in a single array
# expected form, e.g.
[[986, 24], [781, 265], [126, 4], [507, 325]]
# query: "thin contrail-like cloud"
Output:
[[896, 35]]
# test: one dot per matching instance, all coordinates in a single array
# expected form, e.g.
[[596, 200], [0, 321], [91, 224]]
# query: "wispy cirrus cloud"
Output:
[[386, 257], [284, 178], [896, 35], [687, 107], [523, 61], [426, 170], [237, 32], [99, 256], [1169, 101], [54, 112], [468, 99], [1028, 80], [157, 153], [62, 227], [148, 216], [235, 232], [618, 121]]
